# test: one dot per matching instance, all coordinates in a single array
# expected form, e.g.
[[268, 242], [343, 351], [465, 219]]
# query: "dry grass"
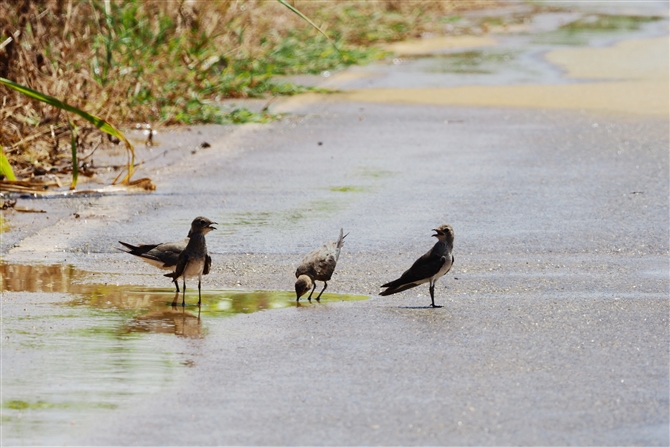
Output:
[[170, 61]]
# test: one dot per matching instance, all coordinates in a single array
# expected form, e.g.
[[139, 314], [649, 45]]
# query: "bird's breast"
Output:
[[194, 267], [444, 269]]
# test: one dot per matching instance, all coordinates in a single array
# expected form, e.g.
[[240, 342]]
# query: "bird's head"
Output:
[[201, 225], [444, 233], [302, 285]]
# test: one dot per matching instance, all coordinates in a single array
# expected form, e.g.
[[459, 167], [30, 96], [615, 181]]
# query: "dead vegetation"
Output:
[[170, 62]]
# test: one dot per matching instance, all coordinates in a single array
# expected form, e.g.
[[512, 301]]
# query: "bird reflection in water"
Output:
[[176, 321]]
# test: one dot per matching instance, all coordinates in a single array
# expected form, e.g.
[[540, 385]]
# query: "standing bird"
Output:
[[194, 260], [429, 267], [318, 265], [164, 256]]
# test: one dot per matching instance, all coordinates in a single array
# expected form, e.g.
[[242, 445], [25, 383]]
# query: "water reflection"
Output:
[[175, 320], [154, 310]]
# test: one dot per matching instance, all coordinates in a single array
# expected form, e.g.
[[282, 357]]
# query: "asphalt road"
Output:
[[554, 329]]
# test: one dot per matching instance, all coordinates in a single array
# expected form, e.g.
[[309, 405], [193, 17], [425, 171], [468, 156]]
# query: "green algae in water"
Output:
[[234, 302], [469, 62], [374, 172], [229, 224], [607, 22], [23, 405]]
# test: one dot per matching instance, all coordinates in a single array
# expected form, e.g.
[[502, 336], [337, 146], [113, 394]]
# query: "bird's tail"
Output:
[[133, 249], [340, 243], [392, 288]]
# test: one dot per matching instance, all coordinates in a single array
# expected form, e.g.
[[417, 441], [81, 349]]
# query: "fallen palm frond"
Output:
[[38, 189], [96, 121]]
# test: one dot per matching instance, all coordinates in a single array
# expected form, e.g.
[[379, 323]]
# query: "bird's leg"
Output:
[[432, 295], [183, 297], [176, 283], [199, 294], [309, 298], [325, 284]]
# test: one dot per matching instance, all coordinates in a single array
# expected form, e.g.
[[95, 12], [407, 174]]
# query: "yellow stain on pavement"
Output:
[[433, 44]]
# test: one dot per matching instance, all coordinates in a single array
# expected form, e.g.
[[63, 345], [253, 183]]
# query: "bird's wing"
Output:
[[138, 250], [319, 263], [424, 267], [166, 254], [325, 265], [208, 265], [181, 266]]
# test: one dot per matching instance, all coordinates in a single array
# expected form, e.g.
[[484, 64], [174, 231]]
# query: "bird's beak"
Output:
[[437, 232], [211, 227]]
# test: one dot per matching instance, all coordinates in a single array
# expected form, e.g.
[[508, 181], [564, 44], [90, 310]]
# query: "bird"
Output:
[[429, 267], [318, 265], [194, 260], [164, 256]]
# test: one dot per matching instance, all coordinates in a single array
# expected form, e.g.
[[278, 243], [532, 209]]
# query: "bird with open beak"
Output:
[[194, 260], [429, 267]]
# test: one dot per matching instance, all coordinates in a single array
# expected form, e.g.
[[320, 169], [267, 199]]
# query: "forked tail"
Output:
[[339, 244]]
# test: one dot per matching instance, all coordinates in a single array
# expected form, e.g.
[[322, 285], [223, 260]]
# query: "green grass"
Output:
[[177, 76]]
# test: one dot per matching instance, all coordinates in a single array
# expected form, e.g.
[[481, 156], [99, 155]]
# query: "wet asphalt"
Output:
[[554, 329]]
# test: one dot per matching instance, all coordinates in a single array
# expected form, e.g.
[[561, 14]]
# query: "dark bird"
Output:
[[429, 267], [164, 256], [194, 260], [318, 265]]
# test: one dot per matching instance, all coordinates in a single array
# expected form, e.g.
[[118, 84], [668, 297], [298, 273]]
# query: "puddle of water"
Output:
[[72, 349]]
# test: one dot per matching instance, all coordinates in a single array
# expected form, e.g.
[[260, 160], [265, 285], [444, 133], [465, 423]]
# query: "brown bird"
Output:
[[194, 260], [318, 265], [164, 256], [429, 267]]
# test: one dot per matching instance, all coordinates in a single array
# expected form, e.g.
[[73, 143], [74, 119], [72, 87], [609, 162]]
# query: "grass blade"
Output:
[[6, 168], [96, 121], [305, 18], [75, 163]]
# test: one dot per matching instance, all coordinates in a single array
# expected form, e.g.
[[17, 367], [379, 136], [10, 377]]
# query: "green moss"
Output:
[[607, 22], [347, 189], [578, 32]]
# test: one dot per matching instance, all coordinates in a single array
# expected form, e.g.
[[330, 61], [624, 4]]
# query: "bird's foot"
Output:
[[435, 306]]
